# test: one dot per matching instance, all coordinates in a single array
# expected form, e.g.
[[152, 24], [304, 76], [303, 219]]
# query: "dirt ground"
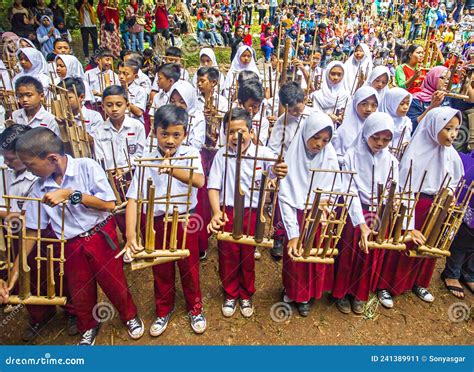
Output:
[[411, 321]]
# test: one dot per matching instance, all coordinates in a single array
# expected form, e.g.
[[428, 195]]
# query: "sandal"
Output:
[[454, 288], [465, 283]]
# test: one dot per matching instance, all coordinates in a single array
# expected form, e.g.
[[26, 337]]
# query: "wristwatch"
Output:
[[75, 197]]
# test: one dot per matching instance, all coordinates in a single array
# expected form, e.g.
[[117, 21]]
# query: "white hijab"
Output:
[[18, 46], [295, 186], [237, 66], [390, 104], [188, 93], [212, 56], [352, 123], [39, 69], [351, 66], [377, 72], [329, 93], [73, 66], [364, 162], [426, 154]]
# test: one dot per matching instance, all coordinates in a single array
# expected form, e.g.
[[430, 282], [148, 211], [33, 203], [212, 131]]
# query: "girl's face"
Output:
[[245, 57], [417, 56], [380, 82], [403, 107], [45, 22], [61, 68], [448, 134], [367, 107], [359, 53], [24, 44], [25, 62], [316, 143], [380, 140], [443, 81], [206, 61], [336, 74], [177, 100]]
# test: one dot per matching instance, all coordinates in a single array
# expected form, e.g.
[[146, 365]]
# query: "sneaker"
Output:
[[31, 332], [303, 308], [198, 323], [228, 307], [385, 298], [136, 328], [257, 254], [286, 299], [89, 336], [343, 305], [72, 325], [277, 250], [202, 255], [159, 325], [246, 308], [358, 306], [423, 294]]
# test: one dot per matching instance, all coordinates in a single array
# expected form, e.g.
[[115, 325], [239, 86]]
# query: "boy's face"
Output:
[[62, 47], [171, 138], [12, 161], [74, 101], [115, 107], [235, 127], [105, 63], [28, 97], [164, 83], [39, 167], [296, 110], [126, 75], [251, 106], [205, 85]]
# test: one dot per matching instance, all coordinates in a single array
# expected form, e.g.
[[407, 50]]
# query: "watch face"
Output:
[[75, 197]]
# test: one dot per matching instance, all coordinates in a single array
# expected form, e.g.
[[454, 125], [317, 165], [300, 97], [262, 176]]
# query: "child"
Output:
[[430, 150], [174, 55], [68, 66], [358, 64], [142, 79], [364, 103], [206, 82], [96, 77], [243, 61], [396, 103], [29, 93], [357, 268], [63, 31], [88, 228], [236, 261], [46, 34], [311, 149], [62, 46], [207, 58], [378, 79], [33, 64], [170, 126], [137, 96], [167, 75]]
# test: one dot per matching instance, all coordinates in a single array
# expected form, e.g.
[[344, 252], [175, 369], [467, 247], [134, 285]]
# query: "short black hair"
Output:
[[211, 72], [60, 40], [247, 76], [170, 71], [137, 58], [70, 83], [291, 93], [114, 90], [104, 52], [39, 142], [237, 114], [29, 80], [168, 115], [173, 51], [10, 135], [130, 63], [251, 89]]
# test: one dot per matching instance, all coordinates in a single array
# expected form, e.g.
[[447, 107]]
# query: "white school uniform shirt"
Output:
[[137, 96], [161, 181], [84, 175], [92, 120], [42, 119], [18, 185], [197, 131], [223, 103], [216, 175], [183, 76], [161, 98], [143, 81], [292, 127], [95, 80], [132, 132]]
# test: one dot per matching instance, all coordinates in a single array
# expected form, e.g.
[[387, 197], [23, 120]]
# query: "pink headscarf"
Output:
[[429, 85], [10, 35]]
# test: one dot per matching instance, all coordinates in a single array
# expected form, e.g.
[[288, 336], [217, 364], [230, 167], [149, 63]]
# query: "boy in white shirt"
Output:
[[137, 96], [166, 76], [97, 78]]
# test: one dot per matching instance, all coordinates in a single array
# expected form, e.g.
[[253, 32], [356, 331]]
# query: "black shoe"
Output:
[[72, 325], [304, 308], [89, 336], [31, 332], [202, 255], [277, 250], [343, 305]]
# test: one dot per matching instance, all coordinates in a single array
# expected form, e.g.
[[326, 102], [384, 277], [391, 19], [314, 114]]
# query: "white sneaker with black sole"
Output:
[[423, 294], [385, 298], [88, 337], [229, 306], [136, 328], [159, 325], [198, 323], [246, 308]]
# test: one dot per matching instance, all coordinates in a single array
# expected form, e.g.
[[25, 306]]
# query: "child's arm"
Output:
[[218, 219], [131, 225], [135, 110], [53, 198], [182, 175]]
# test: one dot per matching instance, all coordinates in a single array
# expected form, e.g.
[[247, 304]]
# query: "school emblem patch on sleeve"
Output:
[[132, 149]]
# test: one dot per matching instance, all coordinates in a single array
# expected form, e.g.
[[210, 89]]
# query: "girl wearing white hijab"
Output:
[[207, 58], [397, 103], [310, 149], [24, 43], [33, 64], [68, 66], [357, 268], [184, 95], [378, 79], [243, 61], [364, 103], [430, 150], [360, 60], [332, 89]]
